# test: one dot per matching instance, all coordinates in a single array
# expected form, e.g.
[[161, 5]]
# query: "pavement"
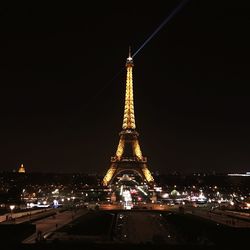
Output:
[[221, 217], [22, 216], [30, 217], [142, 227], [50, 224]]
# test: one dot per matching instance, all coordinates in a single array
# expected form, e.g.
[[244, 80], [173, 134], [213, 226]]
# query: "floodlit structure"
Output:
[[128, 155], [21, 169]]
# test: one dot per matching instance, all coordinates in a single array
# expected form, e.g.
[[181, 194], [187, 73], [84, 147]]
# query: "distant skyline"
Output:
[[62, 94]]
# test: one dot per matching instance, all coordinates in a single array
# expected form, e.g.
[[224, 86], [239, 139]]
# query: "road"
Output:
[[142, 227]]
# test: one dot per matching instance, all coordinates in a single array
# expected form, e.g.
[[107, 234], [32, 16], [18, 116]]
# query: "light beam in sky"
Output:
[[167, 19]]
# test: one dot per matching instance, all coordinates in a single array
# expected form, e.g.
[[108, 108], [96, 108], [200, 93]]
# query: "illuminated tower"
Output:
[[21, 169], [128, 155]]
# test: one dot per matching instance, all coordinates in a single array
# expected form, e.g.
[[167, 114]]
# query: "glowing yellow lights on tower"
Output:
[[128, 154], [129, 115], [107, 178], [137, 149], [120, 149], [21, 169], [147, 174]]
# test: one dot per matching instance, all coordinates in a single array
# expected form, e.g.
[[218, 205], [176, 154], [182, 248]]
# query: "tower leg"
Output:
[[109, 175]]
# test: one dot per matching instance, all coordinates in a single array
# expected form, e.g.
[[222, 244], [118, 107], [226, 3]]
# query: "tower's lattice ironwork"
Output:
[[128, 154]]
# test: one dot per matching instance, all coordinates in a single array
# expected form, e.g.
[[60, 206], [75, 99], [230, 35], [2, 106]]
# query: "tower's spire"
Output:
[[129, 116], [129, 51]]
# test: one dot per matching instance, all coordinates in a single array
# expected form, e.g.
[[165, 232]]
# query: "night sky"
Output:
[[62, 112]]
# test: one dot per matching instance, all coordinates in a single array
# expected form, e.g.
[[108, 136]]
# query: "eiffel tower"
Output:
[[128, 155]]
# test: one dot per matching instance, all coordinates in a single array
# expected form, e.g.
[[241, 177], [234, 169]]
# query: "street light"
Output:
[[11, 210]]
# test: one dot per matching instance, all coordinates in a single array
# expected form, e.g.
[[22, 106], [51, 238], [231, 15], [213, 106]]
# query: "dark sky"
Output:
[[61, 112]]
